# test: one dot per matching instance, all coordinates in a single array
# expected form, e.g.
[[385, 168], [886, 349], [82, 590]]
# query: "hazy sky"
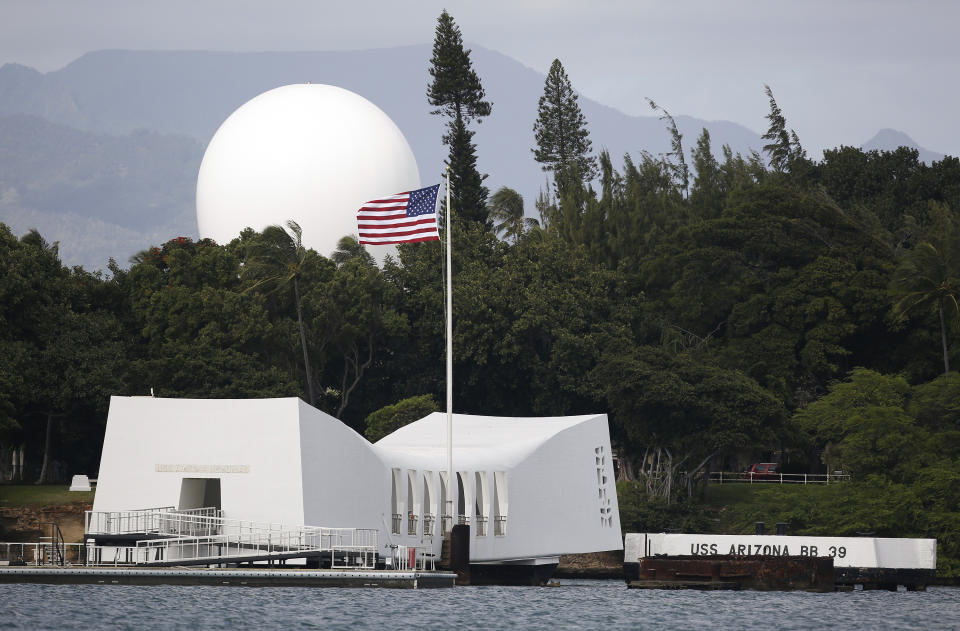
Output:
[[840, 69]]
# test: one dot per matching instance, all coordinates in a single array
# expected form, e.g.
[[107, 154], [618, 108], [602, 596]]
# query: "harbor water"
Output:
[[573, 604]]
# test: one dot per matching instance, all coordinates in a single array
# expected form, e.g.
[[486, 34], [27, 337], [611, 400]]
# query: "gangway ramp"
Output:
[[165, 537]]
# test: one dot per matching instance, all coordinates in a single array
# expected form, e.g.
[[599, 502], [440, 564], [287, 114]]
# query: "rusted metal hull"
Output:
[[771, 573]]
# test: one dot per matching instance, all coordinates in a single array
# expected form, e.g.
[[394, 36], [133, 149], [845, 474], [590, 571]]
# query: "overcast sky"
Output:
[[840, 69]]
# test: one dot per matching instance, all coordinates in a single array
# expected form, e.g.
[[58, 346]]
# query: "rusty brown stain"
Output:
[[761, 573]]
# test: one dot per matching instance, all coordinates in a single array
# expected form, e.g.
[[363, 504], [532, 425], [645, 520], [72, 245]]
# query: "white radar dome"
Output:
[[312, 153]]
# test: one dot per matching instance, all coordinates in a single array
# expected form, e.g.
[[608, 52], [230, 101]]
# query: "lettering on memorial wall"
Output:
[[202, 468], [763, 549]]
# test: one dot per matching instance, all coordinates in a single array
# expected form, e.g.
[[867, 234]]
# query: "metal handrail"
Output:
[[481, 525], [124, 522], [749, 477], [423, 559], [263, 544], [204, 534], [500, 526], [428, 521], [42, 553]]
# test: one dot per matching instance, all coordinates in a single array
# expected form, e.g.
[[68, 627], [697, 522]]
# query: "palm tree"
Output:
[[928, 277], [506, 211], [279, 258], [348, 248]]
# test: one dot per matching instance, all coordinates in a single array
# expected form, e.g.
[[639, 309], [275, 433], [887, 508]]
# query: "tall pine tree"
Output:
[[456, 93], [561, 130]]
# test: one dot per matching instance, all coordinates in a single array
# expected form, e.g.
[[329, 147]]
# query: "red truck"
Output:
[[762, 471]]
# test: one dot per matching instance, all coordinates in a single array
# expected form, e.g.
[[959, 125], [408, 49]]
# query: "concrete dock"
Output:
[[242, 577]]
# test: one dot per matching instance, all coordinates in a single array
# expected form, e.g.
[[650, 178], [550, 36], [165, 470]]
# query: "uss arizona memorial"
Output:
[[531, 489]]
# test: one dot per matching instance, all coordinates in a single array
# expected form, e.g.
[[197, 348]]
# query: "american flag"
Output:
[[402, 218]]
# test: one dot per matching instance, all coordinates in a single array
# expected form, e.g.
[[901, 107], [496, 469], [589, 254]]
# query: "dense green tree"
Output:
[[280, 259], [901, 446], [679, 412], [457, 94], [936, 404], [887, 190], [351, 315], [786, 281], [62, 351], [198, 333], [639, 512], [561, 130], [928, 278]]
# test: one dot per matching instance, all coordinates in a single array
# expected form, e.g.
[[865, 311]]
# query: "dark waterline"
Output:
[[572, 605]]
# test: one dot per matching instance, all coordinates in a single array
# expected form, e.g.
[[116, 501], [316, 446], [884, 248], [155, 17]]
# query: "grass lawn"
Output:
[[34, 495]]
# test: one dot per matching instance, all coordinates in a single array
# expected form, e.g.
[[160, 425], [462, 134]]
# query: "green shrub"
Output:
[[388, 419], [642, 513]]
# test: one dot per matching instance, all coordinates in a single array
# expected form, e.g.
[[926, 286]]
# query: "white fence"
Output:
[[726, 477]]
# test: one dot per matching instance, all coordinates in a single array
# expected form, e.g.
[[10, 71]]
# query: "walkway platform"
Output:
[[227, 577]]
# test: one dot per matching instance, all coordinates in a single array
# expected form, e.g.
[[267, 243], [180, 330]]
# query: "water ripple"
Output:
[[572, 605]]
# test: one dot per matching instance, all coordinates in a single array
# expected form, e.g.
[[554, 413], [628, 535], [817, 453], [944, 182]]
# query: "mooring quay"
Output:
[[234, 577]]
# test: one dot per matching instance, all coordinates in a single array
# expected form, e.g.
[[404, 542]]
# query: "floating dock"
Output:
[[229, 577]]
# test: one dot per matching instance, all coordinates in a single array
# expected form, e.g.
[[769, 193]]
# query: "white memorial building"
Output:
[[531, 489]]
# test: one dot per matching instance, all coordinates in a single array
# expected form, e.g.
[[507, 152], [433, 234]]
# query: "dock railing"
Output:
[[412, 558], [34, 553], [145, 520], [749, 477], [203, 534]]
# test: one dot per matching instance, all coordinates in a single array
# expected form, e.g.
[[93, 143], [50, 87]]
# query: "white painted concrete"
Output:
[[549, 465], [282, 461], [864, 552], [80, 483]]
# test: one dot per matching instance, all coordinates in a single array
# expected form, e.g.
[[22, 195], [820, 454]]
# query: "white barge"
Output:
[[873, 562]]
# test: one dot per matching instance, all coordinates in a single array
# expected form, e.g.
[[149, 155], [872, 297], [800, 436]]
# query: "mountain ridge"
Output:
[[183, 96]]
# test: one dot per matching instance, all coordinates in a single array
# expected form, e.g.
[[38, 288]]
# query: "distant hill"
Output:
[[891, 139], [112, 94], [99, 195]]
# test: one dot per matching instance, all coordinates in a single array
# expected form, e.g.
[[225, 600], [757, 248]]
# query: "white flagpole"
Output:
[[451, 481]]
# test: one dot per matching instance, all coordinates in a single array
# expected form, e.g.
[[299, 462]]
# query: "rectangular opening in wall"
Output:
[[429, 504], [413, 502], [396, 507], [481, 510], [199, 493], [500, 503]]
